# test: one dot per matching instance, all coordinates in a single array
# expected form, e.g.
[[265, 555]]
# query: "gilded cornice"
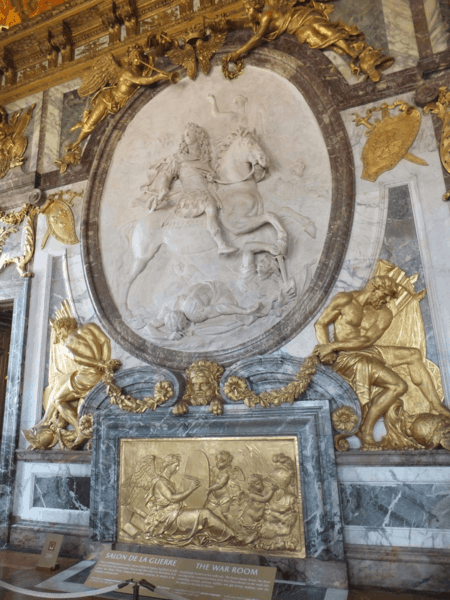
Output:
[[41, 53]]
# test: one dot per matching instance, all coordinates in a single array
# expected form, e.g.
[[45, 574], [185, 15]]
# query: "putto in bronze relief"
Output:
[[238, 494]]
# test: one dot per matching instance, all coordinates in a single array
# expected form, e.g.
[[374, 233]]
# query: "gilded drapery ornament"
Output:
[[440, 108], [113, 83], [13, 142], [311, 25], [389, 139]]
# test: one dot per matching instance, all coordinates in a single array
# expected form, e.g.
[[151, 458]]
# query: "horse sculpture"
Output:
[[239, 164]]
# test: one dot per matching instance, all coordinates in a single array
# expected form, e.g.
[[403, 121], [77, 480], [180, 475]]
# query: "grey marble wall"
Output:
[[65, 493], [417, 506], [401, 247], [18, 293]]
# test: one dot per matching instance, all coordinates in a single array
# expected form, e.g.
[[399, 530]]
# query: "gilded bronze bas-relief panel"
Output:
[[213, 493]]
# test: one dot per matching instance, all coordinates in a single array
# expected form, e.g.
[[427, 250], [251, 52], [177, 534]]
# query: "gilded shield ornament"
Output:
[[389, 138], [60, 219]]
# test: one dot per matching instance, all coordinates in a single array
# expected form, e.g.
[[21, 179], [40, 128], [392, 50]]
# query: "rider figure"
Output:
[[191, 165]]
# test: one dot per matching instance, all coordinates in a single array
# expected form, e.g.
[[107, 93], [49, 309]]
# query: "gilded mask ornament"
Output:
[[389, 138], [202, 388]]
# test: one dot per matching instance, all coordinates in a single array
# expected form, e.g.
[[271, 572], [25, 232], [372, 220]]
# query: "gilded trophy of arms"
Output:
[[113, 83], [13, 219], [197, 45], [13, 142], [440, 108], [80, 357], [309, 24], [389, 138]]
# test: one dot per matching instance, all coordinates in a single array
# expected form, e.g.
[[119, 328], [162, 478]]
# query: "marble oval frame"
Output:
[[299, 67]]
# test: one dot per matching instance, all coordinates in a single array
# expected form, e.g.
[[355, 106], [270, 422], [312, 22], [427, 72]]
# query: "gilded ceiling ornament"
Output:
[[28, 213], [60, 219], [390, 351], [441, 109], [202, 388], [13, 142], [389, 139], [311, 25], [80, 356], [113, 83]]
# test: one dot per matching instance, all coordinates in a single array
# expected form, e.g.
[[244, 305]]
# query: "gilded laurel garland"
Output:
[[163, 393], [236, 388]]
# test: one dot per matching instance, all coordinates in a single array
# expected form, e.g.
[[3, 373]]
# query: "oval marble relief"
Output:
[[216, 223]]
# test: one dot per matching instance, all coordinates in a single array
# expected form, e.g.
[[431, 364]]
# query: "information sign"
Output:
[[50, 552], [192, 578]]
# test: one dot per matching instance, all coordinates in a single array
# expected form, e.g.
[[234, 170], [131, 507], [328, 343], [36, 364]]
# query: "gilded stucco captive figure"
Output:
[[79, 357], [360, 319]]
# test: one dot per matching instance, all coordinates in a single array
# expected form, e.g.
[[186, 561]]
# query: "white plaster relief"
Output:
[[156, 263]]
